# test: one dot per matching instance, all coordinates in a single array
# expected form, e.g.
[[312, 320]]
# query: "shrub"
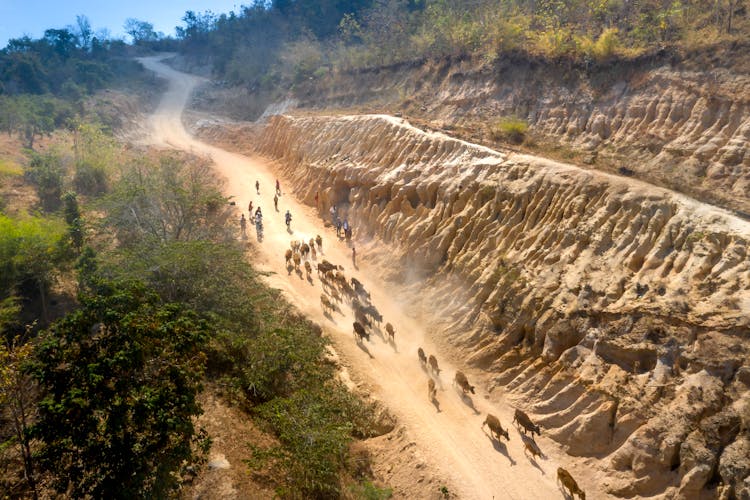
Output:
[[46, 172], [604, 47], [510, 128]]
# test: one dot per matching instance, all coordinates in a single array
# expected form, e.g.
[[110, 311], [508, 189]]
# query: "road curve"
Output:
[[452, 440]]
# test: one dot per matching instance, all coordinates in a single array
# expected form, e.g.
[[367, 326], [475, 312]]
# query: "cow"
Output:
[[319, 241], [325, 303], [304, 250], [308, 269], [525, 422], [434, 365], [360, 317], [373, 312], [297, 260], [431, 390], [360, 332], [390, 331], [531, 446], [568, 482], [496, 430], [422, 357], [463, 383]]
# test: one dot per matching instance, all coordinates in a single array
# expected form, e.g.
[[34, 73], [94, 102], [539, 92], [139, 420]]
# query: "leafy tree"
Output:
[[73, 219], [31, 253], [46, 172], [119, 378], [140, 31], [171, 200], [18, 398], [96, 155]]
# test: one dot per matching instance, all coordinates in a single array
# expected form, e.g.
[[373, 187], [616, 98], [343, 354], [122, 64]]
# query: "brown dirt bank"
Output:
[[674, 120], [616, 312]]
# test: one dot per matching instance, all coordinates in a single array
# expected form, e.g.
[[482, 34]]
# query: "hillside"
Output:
[[613, 310]]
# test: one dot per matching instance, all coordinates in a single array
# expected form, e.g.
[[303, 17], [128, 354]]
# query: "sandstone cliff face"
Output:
[[616, 312], [657, 119]]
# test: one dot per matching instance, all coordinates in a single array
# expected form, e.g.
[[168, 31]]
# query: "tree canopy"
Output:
[[120, 376]]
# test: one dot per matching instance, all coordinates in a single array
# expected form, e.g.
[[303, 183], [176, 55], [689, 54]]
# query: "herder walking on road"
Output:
[[278, 188]]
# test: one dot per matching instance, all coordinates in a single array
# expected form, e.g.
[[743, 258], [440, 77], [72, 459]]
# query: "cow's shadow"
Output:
[[533, 462], [364, 348], [466, 399], [500, 447]]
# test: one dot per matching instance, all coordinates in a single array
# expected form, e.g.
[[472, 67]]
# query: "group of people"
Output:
[[341, 226], [258, 215]]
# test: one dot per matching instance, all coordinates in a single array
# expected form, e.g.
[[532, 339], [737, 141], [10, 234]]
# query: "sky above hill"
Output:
[[32, 17]]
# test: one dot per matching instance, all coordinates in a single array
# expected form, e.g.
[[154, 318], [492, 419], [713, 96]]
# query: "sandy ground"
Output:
[[450, 438]]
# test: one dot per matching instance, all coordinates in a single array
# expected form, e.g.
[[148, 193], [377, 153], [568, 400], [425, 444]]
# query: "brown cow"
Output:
[[531, 446], [308, 269], [297, 260], [524, 421], [390, 331], [313, 254], [431, 390], [568, 482], [304, 250], [325, 303], [360, 332], [319, 241], [288, 257], [496, 430], [434, 365], [463, 382], [422, 357]]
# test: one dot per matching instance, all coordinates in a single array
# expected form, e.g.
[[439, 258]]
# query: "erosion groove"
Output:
[[615, 312]]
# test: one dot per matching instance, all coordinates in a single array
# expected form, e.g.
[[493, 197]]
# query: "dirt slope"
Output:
[[450, 442], [615, 311]]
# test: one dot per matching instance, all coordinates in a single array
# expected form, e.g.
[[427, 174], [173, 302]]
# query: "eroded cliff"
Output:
[[616, 312]]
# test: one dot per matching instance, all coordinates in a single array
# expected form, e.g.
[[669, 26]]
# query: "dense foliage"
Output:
[[287, 41], [120, 377]]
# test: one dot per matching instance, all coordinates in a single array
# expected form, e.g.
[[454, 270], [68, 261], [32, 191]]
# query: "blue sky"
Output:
[[32, 17]]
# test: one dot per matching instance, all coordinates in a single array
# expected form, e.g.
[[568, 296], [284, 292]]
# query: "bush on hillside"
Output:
[[509, 129]]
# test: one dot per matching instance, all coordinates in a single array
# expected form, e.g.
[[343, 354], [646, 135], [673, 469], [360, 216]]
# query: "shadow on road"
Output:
[[500, 447]]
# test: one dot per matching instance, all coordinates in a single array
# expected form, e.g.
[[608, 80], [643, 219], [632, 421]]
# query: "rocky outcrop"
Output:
[[615, 312]]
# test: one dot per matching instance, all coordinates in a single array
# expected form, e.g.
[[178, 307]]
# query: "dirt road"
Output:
[[451, 440]]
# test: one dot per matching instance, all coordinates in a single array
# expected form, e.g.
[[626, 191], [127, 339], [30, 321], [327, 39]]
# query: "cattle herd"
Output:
[[337, 291]]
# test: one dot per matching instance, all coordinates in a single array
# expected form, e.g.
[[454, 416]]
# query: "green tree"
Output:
[[172, 200], [46, 171], [18, 398], [73, 219], [119, 378], [31, 253]]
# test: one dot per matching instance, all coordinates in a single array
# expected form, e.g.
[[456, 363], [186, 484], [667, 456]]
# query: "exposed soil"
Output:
[[615, 312]]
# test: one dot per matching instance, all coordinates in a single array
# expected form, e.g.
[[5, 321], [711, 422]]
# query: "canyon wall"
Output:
[[614, 311]]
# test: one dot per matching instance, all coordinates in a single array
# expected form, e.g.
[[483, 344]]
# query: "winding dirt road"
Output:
[[451, 440]]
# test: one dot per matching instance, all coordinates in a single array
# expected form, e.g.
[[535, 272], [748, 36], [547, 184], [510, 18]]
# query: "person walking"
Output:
[[276, 202], [243, 225], [278, 188], [354, 256], [250, 209], [257, 187]]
